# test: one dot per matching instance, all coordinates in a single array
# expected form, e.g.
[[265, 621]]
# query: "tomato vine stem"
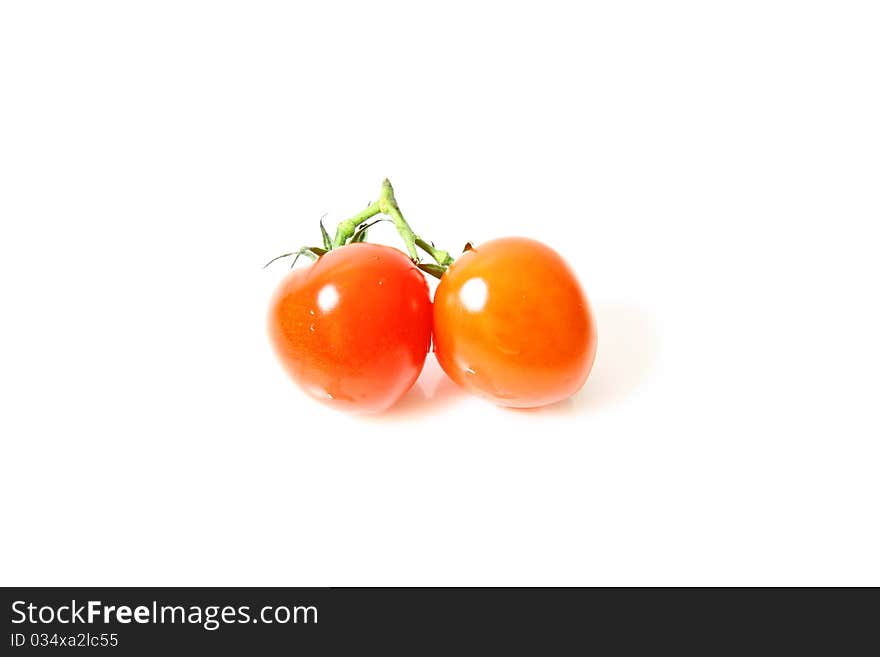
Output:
[[387, 205], [345, 229], [354, 229]]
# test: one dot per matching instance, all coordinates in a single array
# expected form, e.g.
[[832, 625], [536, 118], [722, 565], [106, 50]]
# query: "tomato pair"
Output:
[[510, 322]]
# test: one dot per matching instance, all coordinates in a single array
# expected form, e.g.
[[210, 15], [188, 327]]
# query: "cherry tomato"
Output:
[[512, 323], [353, 329]]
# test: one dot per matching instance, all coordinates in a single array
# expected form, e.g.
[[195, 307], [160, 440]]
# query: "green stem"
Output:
[[346, 228], [409, 238], [387, 205], [440, 256]]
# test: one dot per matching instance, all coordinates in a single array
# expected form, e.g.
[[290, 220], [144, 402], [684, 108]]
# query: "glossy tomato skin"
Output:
[[353, 328], [511, 323]]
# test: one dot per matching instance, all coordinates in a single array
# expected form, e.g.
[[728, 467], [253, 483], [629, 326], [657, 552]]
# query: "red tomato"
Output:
[[511, 323], [353, 328]]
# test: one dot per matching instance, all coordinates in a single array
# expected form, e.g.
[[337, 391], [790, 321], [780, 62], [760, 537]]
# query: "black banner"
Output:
[[132, 621]]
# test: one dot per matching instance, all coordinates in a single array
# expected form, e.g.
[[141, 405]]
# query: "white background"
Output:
[[709, 169]]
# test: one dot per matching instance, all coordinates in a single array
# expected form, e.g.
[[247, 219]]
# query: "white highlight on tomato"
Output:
[[474, 294], [328, 297]]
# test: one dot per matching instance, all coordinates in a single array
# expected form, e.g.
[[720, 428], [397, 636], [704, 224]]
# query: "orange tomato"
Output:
[[353, 329], [511, 323]]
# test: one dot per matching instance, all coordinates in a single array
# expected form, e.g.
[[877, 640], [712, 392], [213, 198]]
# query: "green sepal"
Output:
[[325, 235], [316, 251], [310, 252], [361, 235], [283, 255]]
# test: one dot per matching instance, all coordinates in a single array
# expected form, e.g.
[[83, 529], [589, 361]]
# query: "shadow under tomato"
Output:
[[431, 393], [627, 350]]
